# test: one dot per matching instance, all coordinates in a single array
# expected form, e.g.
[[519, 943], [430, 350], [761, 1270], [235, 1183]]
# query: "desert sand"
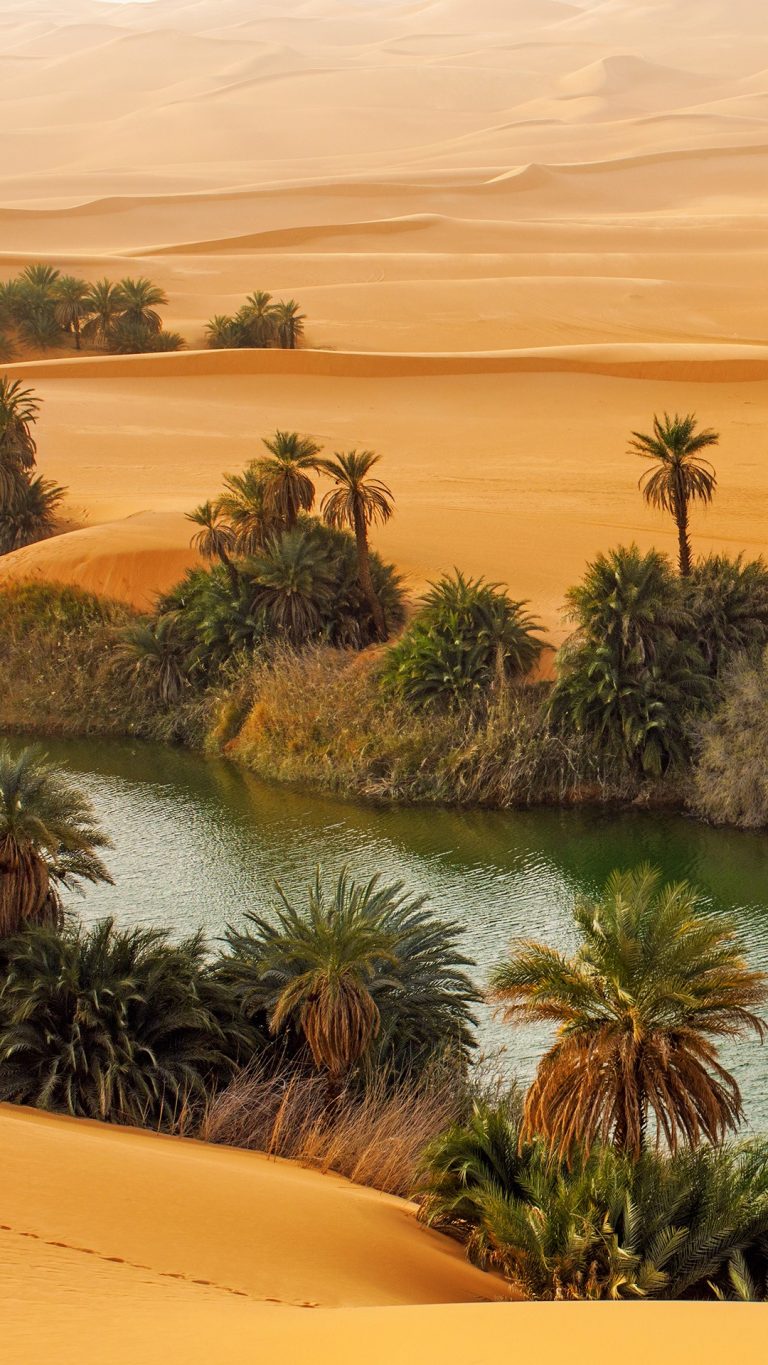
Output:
[[518, 228], [122, 1246]]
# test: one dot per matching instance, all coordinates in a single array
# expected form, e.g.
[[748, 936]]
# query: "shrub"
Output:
[[468, 638], [665, 1227], [631, 677], [730, 774], [120, 1025], [727, 600], [374, 1135]]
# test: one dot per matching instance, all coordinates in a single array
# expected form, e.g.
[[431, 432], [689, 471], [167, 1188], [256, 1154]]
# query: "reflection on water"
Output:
[[200, 842]]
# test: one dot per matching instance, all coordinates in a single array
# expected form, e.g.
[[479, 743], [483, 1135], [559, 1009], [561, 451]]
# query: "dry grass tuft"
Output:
[[374, 1137]]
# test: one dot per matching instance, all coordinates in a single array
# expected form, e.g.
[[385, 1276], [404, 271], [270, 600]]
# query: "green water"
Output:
[[199, 842]]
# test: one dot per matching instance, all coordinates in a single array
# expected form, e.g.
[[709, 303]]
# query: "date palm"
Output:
[[49, 840], [257, 318], [73, 305], [139, 301], [215, 539], [654, 980], [32, 514], [242, 506], [105, 305], [293, 586], [18, 413], [356, 502], [289, 324], [679, 475], [288, 489]]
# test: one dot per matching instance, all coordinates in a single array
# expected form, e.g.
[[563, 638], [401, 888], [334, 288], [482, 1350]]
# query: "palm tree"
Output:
[[258, 319], [357, 502], [679, 476], [49, 837], [139, 301], [105, 304], [41, 277], [18, 413], [655, 978], [152, 656], [289, 324], [242, 505], [73, 304], [293, 585], [288, 488], [216, 538], [223, 333], [422, 996], [31, 516]]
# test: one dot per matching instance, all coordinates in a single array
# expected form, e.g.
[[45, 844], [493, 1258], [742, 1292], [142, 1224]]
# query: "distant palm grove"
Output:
[[43, 309]]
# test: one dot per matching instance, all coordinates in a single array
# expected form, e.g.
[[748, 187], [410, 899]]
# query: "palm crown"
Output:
[[679, 475], [288, 489], [655, 979], [49, 837]]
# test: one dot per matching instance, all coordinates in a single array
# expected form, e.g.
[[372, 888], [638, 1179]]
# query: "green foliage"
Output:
[[631, 677], [468, 639], [261, 322], [727, 602], [42, 308], [392, 949], [31, 516], [112, 1024], [664, 1227]]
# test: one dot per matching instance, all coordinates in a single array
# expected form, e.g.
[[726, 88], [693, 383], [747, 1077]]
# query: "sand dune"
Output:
[[517, 231], [125, 1246]]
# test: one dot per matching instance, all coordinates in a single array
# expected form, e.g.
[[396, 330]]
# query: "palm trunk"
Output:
[[234, 577], [364, 577], [76, 327], [683, 541]]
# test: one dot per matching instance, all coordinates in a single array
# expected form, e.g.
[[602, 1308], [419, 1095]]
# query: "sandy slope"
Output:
[[122, 1246], [425, 176]]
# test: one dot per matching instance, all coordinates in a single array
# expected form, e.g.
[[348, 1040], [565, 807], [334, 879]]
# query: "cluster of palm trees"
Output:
[[262, 322], [29, 504], [41, 307], [261, 510], [277, 573]]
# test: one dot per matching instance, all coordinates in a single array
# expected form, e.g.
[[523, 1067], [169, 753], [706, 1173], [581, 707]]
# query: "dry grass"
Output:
[[374, 1137]]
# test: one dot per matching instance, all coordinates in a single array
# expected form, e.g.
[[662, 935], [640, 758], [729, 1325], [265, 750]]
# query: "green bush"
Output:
[[121, 1025], [468, 640], [400, 959], [631, 676], [664, 1227]]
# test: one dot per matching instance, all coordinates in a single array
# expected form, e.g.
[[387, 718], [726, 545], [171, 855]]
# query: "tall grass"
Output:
[[321, 719], [375, 1136]]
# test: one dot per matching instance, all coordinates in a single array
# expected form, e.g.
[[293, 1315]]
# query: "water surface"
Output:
[[199, 842]]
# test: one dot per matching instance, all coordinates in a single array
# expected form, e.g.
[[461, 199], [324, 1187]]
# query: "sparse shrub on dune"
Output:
[[374, 1134]]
